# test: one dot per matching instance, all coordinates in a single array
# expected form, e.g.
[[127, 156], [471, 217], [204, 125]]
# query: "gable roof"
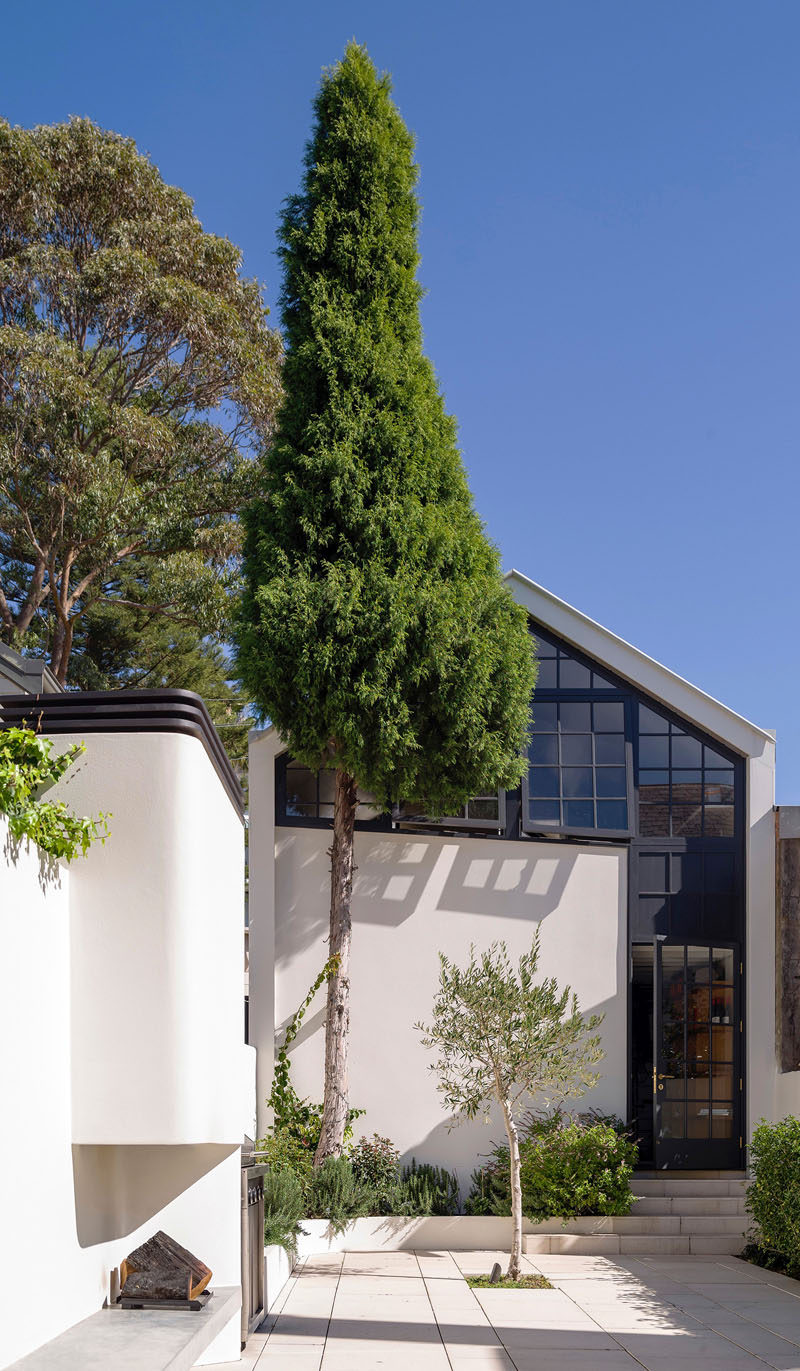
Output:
[[29, 674], [635, 666]]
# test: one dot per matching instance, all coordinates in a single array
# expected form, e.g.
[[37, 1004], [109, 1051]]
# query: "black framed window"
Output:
[[308, 795], [304, 796], [686, 786], [561, 670], [483, 812], [578, 776]]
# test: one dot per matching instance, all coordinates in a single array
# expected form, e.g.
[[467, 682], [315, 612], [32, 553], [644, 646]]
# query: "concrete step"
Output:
[[632, 1244], [646, 1175], [689, 1204], [660, 1225], [648, 1187]]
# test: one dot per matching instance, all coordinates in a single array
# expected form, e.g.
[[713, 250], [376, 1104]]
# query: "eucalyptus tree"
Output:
[[137, 378], [376, 631], [503, 1037]]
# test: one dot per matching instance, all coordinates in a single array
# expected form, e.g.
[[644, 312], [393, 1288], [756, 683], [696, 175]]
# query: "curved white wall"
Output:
[[123, 1071], [156, 946]]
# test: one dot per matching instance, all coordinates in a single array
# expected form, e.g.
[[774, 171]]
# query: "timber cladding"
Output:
[[788, 941]]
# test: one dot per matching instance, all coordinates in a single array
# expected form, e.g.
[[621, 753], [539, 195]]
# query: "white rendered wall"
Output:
[[763, 1077], [122, 1075], [413, 897]]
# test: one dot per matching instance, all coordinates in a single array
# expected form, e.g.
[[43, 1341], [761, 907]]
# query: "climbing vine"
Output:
[[28, 767], [292, 1115]]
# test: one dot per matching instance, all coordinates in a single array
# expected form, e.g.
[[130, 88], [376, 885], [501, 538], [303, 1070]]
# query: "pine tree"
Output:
[[375, 631]]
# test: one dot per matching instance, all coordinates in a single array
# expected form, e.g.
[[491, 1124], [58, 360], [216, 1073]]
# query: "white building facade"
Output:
[[123, 1074], [641, 844]]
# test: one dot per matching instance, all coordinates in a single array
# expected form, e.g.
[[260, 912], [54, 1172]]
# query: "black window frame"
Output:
[[387, 821], [617, 691], [449, 821]]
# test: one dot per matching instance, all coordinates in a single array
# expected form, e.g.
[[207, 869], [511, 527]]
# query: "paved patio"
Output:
[[411, 1311]]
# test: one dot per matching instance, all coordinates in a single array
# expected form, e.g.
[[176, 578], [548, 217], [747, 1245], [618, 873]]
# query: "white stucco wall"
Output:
[[122, 1075], [415, 896], [764, 1080]]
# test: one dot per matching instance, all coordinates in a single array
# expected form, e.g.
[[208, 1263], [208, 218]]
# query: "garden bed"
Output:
[[391, 1233], [278, 1265]]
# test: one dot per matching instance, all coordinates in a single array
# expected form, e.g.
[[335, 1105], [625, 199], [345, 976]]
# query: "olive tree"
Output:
[[502, 1036]]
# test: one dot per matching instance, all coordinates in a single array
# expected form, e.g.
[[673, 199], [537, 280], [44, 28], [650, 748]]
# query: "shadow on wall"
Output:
[[49, 873], [117, 1189], [426, 877]]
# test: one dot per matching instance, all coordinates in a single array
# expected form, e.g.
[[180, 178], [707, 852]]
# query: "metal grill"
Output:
[[253, 1310]]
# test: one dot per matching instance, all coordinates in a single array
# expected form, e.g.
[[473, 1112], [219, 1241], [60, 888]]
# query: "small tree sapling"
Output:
[[501, 1035]]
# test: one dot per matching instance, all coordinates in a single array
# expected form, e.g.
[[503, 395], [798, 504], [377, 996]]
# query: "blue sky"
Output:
[[610, 230]]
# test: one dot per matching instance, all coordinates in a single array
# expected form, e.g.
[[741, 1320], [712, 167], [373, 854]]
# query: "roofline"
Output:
[[669, 676], [27, 671], [126, 711]]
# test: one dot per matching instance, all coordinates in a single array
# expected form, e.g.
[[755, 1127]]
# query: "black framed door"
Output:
[[697, 1046]]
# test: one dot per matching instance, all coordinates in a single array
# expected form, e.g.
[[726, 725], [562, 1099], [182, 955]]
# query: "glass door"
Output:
[[697, 1083]]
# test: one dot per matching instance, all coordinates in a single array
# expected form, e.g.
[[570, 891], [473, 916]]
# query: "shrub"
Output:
[[773, 1196], [284, 1207], [336, 1194], [427, 1189], [577, 1168], [376, 1164], [283, 1151], [490, 1191]]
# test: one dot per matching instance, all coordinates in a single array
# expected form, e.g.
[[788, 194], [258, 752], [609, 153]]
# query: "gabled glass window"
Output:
[[686, 787], [559, 670], [578, 775]]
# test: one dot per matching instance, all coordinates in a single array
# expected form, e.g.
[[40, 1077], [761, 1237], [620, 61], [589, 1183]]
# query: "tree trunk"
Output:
[[337, 1023], [515, 1263]]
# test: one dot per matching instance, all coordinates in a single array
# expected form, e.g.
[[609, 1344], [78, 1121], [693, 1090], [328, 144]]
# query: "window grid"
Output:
[[578, 774], [558, 670], [686, 788]]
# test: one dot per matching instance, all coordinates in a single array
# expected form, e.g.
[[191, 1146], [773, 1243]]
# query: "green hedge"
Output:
[[773, 1196]]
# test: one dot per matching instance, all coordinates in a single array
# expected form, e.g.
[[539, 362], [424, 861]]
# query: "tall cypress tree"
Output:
[[375, 631]]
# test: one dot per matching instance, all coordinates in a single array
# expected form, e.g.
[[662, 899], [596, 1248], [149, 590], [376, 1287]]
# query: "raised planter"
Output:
[[459, 1233], [277, 1270]]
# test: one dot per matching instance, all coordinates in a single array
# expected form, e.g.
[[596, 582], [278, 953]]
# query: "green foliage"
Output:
[[137, 378], [490, 1191], [427, 1189], [284, 1207], [501, 1035], [283, 1151], [28, 766], [773, 1195], [490, 1186], [293, 1116], [336, 1194], [122, 644], [528, 1282], [376, 631], [376, 1164], [577, 1168]]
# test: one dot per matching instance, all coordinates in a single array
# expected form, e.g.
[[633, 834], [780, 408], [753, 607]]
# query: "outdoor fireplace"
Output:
[[163, 1275]]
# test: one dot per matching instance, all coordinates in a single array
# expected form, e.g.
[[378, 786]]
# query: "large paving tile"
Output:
[[691, 1350], [669, 1362], [480, 1359], [545, 1359]]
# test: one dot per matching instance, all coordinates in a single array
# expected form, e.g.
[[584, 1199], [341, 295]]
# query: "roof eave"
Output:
[[625, 660]]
